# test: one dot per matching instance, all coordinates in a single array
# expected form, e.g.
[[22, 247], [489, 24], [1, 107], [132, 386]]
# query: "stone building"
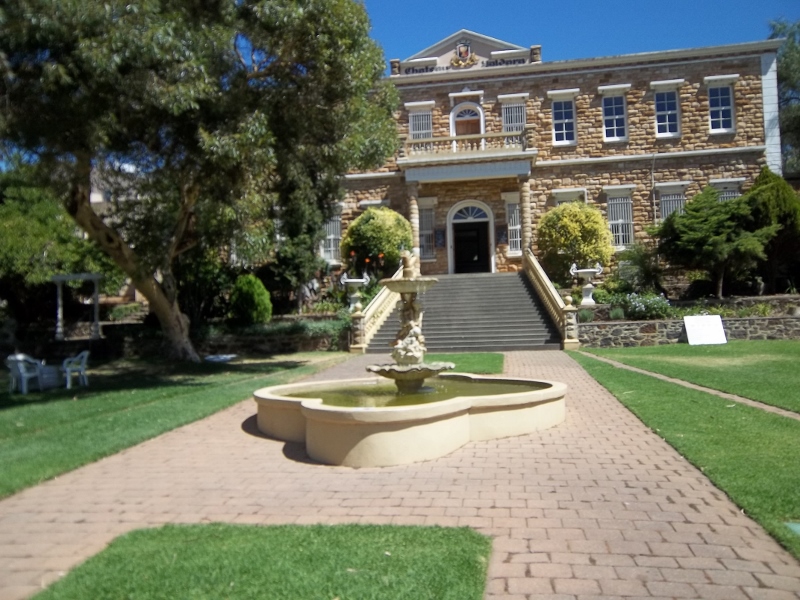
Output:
[[492, 137]]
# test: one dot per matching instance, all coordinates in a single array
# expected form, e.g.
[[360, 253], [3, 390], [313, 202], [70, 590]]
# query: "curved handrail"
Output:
[[546, 291], [379, 309]]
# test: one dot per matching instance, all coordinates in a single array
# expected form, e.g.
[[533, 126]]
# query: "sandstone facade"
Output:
[[490, 172]]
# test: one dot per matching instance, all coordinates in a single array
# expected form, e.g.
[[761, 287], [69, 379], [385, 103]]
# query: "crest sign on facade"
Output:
[[463, 55]]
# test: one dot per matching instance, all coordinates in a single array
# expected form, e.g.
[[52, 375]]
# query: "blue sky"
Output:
[[577, 28]]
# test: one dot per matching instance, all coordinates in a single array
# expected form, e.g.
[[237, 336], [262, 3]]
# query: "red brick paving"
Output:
[[598, 507]]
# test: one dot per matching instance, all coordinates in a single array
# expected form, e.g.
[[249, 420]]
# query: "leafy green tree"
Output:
[[789, 91], [38, 240], [374, 240], [203, 120], [774, 202], [721, 238], [574, 232], [250, 302]]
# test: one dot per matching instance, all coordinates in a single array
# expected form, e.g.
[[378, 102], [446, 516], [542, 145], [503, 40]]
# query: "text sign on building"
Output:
[[704, 329]]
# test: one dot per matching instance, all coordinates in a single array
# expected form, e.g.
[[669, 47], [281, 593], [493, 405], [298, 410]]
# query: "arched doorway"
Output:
[[470, 226]]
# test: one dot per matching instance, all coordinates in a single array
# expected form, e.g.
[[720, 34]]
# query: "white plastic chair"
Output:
[[76, 365], [23, 368]]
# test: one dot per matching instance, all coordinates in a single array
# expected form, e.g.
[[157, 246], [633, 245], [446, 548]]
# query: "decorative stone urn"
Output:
[[586, 275]]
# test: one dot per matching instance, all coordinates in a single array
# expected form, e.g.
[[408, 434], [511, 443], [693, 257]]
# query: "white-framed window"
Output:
[[427, 224], [671, 197], [720, 109], [727, 189], [614, 119], [333, 238], [615, 112], [620, 214], [513, 222], [667, 114], [420, 119], [563, 122], [667, 104], [564, 131], [721, 117], [513, 117]]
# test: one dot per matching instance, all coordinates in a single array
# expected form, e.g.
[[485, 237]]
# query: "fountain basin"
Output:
[[396, 435]]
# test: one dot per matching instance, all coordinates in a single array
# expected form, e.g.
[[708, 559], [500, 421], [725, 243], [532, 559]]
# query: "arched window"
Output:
[[471, 213], [467, 120]]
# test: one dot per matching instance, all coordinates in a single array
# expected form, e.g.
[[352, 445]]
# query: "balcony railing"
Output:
[[465, 145]]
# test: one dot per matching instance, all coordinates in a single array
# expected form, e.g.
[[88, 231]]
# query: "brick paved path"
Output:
[[598, 507]]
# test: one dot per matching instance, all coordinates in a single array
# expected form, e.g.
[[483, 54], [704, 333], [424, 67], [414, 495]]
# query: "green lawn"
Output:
[[767, 371], [45, 434], [750, 454], [482, 363], [347, 562]]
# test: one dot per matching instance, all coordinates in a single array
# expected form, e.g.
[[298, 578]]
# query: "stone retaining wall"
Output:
[[620, 334]]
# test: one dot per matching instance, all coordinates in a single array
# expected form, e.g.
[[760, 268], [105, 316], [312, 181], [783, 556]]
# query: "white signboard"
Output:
[[704, 329]]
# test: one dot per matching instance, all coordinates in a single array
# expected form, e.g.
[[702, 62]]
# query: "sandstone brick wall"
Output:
[[621, 334], [640, 101]]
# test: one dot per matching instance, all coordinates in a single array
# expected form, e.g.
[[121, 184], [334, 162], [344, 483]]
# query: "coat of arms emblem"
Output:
[[463, 56]]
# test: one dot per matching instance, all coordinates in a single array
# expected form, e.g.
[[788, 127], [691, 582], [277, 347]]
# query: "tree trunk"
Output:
[[174, 324], [719, 279]]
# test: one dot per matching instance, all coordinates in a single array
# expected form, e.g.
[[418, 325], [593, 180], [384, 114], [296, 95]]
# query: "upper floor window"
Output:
[[667, 107], [467, 119], [420, 119], [564, 131], [615, 117], [513, 108], [720, 103]]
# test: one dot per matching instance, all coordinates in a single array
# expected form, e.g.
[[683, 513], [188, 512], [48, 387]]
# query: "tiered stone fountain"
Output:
[[361, 423], [410, 370]]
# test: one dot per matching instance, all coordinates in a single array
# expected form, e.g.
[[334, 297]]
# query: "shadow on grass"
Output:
[[146, 374]]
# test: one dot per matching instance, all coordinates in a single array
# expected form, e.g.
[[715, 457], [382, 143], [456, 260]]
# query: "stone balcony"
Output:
[[485, 147]]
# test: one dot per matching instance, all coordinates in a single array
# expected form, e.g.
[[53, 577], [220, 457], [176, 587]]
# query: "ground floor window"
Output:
[[332, 239], [673, 202], [620, 219]]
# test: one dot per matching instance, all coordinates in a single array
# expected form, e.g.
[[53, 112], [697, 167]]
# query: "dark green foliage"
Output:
[[643, 268], [774, 202], [719, 237], [205, 121], [250, 302], [204, 284], [374, 240]]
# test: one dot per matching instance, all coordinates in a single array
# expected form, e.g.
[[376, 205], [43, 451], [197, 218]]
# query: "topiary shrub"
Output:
[[373, 241], [250, 301], [574, 232]]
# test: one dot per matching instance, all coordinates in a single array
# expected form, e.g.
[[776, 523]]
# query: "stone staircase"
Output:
[[476, 313]]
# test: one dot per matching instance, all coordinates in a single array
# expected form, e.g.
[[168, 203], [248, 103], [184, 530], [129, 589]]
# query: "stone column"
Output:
[[525, 211], [413, 215]]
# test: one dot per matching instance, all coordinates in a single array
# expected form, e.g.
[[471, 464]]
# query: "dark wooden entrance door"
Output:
[[471, 247]]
